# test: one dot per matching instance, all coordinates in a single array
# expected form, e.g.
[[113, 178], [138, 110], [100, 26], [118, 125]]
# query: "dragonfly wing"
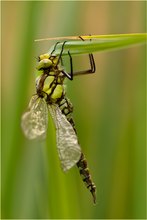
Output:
[[34, 122], [67, 143]]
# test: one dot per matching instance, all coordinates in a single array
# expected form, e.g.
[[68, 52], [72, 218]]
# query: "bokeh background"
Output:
[[109, 111]]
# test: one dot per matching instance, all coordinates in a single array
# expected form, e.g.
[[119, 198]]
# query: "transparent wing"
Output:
[[34, 122], [67, 144]]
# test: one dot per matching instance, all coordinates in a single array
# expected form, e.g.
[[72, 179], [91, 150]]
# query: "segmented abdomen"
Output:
[[67, 109], [84, 171]]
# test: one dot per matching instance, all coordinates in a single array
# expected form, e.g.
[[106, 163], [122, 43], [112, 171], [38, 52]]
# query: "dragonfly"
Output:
[[51, 97]]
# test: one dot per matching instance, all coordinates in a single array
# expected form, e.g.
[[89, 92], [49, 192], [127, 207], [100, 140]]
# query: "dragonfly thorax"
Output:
[[50, 86]]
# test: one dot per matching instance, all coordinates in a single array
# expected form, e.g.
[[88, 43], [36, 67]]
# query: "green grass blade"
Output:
[[100, 43]]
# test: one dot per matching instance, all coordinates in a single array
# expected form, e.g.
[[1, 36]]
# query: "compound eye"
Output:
[[44, 56], [44, 64]]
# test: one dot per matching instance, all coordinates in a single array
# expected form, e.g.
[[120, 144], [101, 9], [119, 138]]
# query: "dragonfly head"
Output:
[[45, 61]]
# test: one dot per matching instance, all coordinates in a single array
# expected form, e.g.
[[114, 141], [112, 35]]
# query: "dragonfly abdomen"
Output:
[[84, 172], [67, 108]]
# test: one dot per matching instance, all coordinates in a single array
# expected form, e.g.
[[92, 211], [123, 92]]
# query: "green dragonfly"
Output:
[[51, 97]]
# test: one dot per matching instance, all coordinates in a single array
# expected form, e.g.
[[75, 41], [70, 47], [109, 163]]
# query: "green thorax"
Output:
[[49, 83]]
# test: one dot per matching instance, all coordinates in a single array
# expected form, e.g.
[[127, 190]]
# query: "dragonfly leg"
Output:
[[69, 75], [92, 65], [89, 71], [60, 55], [55, 47]]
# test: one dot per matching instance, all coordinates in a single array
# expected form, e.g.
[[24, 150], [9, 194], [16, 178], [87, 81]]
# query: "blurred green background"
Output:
[[109, 111]]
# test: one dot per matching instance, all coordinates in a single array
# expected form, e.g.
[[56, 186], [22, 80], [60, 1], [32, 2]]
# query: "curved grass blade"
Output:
[[85, 37], [99, 43]]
